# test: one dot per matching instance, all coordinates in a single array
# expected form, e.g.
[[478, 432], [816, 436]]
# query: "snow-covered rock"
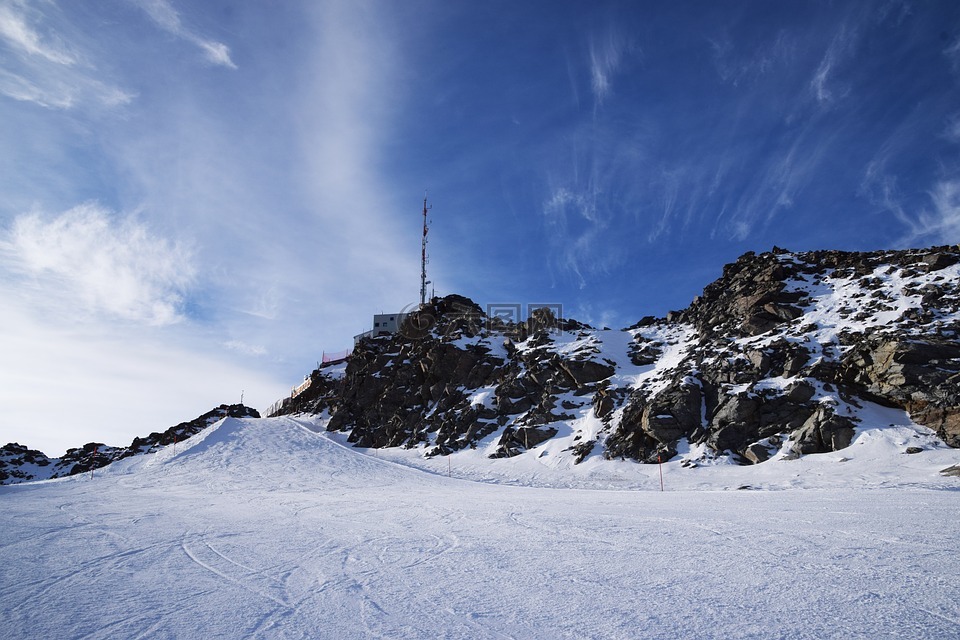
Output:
[[784, 350]]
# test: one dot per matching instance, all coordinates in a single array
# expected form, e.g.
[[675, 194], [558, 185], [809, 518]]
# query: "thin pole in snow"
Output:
[[449, 467], [660, 465]]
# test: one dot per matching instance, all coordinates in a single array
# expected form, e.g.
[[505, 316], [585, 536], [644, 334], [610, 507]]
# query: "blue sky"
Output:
[[198, 199]]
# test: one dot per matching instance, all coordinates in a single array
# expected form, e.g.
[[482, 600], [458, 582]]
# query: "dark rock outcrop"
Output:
[[452, 377], [20, 464], [921, 376], [778, 356]]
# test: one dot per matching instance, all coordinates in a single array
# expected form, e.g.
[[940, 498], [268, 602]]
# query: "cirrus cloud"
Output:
[[43, 63], [17, 30], [167, 18]]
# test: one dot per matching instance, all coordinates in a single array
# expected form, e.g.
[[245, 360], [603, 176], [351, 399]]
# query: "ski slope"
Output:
[[269, 529]]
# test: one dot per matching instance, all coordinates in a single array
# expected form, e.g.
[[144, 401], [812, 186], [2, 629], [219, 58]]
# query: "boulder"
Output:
[[756, 453], [823, 431]]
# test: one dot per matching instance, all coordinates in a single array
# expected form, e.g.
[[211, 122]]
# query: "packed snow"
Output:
[[272, 528]]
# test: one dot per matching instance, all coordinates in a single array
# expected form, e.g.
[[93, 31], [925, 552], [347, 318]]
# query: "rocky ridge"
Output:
[[784, 355], [21, 464]]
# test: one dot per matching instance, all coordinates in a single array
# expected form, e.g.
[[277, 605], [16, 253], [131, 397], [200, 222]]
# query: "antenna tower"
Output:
[[423, 254]]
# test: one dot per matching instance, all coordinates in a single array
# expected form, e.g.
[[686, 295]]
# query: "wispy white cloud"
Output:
[[945, 221], [886, 194], [595, 315], [667, 184], [933, 219], [16, 29], [19, 88], [246, 349], [44, 66], [819, 82], [783, 52], [573, 76], [825, 85], [165, 16], [952, 53], [893, 11], [940, 223], [351, 94], [217, 53], [736, 64], [86, 258], [607, 52], [926, 211], [575, 229], [952, 131], [50, 63], [61, 88]]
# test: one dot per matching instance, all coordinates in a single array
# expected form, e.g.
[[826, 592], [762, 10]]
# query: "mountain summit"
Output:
[[785, 354]]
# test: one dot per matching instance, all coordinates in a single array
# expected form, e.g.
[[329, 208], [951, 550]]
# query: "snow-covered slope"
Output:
[[271, 528], [22, 464]]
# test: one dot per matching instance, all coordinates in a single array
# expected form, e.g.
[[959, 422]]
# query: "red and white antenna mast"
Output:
[[423, 254]]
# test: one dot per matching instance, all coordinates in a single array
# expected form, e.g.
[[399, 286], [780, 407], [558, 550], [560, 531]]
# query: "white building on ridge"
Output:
[[384, 324]]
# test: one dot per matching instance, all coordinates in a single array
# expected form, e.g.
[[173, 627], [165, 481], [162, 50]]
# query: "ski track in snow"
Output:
[[267, 529]]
